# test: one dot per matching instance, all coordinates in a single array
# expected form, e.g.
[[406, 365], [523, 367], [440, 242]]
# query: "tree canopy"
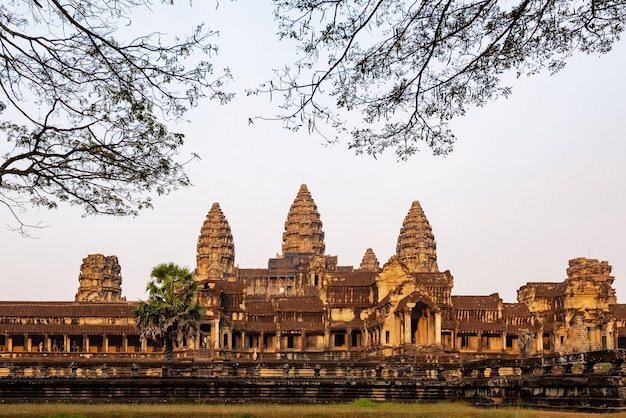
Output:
[[172, 312], [83, 106], [406, 68]]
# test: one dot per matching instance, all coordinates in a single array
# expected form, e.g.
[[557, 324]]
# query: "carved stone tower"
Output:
[[369, 261], [216, 251], [416, 247], [303, 228], [100, 279]]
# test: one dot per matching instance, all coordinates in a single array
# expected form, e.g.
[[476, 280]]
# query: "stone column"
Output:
[[349, 336], [262, 341], [327, 339], [66, 344], [278, 338], [504, 341], [610, 339], [124, 343], [407, 327], [539, 339], [243, 340], [303, 338], [9, 342], [105, 343], [438, 328], [143, 344], [86, 342], [28, 342]]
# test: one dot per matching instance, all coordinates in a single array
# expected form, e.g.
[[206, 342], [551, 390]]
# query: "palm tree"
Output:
[[172, 312]]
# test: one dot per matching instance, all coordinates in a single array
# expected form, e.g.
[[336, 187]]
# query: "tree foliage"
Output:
[[409, 67], [172, 312], [85, 110]]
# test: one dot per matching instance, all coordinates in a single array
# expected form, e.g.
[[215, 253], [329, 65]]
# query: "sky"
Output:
[[534, 181]]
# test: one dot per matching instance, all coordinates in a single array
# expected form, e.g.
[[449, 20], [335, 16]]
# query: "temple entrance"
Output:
[[420, 329]]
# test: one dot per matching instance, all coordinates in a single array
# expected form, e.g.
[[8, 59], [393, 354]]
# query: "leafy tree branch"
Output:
[[393, 74], [86, 112]]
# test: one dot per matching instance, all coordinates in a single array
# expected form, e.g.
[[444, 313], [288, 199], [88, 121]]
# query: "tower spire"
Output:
[[416, 243], [303, 228], [216, 251]]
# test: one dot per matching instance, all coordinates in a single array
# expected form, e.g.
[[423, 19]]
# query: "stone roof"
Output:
[[515, 310], [70, 329], [490, 302], [252, 273], [618, 311], [260, 308], [431, 279], [299, 304], [546, 289], [352, 278], [67, 309]]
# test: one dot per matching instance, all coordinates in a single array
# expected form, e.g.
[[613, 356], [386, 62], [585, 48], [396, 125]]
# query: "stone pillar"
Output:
[[504, 341], [124, 343], [303, 338], [327, 339], [243, 340], [349, 336], [66, 344], [407, 327], [479, 337], [144, 344], [47, 343], [278, 338], [105, 343], [28, 342], [608, 333], [9, 342], [215, 334], [262, 341], [539, 338], [438, 328], [86, 342]]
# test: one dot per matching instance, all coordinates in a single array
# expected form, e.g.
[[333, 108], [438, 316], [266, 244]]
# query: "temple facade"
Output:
[[304, 304]]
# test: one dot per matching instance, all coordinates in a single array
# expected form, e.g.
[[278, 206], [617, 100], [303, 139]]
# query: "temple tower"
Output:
[[100, 279], [416, 247], [369, 261], [303, 228], [216, 251]]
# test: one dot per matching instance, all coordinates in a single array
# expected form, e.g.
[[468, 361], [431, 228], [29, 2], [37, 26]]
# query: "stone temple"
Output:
[[304, 305]]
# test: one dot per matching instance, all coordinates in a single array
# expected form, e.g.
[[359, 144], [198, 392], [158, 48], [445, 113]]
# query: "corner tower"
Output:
[[303, 228], [416, 247], [216, 251], [100, 279]]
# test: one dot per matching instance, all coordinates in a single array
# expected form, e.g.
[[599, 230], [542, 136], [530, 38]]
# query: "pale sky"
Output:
[[535, 180]]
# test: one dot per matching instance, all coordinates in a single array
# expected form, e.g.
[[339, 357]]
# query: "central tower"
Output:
[[303, 228], [416, 247]]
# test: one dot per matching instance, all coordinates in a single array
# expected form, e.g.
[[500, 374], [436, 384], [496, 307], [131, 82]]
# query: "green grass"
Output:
[[359, 408]]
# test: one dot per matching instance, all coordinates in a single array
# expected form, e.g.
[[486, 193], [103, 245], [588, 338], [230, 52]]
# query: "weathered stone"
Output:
[[369, 261], [303, 228], [416, 243], [216, 249], [100, 279]]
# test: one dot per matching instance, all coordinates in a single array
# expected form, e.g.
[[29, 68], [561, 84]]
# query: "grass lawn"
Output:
[[361, 408]]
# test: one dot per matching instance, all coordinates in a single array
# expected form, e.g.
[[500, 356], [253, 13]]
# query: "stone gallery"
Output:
[[304, 305]]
